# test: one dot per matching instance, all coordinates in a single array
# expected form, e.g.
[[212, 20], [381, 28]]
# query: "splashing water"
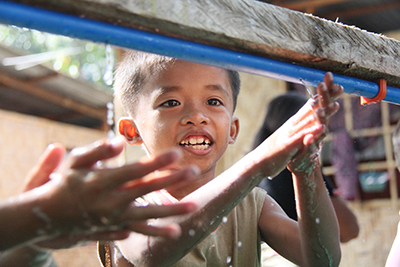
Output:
[[307, 88], [225, 219], [228, 259], [108, 74], [38, 212], [192, 232]]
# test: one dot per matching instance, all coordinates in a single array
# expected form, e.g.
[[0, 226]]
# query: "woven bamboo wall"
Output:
[[378, 221]]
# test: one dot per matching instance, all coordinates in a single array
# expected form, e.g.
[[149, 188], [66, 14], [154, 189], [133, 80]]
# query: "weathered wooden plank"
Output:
[[252, 27]]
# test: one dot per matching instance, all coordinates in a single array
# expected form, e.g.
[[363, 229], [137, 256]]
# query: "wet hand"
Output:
[[323, 106], [83, 202]]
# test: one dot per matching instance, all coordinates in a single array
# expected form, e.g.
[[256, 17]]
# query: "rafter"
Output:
[[42, 93]]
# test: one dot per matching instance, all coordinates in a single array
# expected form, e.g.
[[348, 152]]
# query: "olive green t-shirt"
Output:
[[236, 241]]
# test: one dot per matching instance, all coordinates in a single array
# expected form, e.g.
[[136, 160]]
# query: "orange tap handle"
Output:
[[379, 97]]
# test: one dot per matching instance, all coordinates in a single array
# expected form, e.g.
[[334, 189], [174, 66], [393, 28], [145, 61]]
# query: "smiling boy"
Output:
[[172, 103]]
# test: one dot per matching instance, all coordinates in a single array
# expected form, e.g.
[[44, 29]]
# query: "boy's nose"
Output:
[[194, 116]]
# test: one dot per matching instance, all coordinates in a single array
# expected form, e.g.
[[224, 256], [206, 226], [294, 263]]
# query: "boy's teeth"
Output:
[[197, 143]]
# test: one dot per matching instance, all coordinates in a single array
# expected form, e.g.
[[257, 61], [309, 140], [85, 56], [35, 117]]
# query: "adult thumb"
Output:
[[48, 162]]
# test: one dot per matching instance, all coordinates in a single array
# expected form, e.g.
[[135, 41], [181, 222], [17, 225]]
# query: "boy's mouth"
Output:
[[196, 142]]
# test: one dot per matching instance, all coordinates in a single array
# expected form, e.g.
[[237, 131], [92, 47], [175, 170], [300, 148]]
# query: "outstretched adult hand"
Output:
[[86, 202]]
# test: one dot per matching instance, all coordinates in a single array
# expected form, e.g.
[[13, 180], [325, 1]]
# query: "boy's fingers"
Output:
[[302, 125], [306, 110], [89, 155], [332, 108], [328, 80], [323, 95], [48, 162], [315, 131], [308, 139], [336, 91]]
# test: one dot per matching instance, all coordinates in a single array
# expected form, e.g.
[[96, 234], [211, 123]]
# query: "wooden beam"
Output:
[[252, 27], [65, 102]]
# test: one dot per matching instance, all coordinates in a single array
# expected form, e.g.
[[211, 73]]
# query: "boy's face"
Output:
[[188, 106]]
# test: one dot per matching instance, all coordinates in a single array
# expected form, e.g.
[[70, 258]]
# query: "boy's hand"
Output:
[[308, 126], [319, 110], [325, 106], [88, 203], [327, 93]]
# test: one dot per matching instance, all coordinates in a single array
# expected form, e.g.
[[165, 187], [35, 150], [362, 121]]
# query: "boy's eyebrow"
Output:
[[166, 89], [218, 88]]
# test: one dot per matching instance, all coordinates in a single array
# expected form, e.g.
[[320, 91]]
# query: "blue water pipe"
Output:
[[87, 29]]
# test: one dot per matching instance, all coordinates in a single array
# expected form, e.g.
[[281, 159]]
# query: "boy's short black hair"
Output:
[[137, 67]]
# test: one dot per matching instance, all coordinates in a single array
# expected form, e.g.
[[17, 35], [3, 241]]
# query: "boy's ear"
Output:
[[234, 130], [127, 128]]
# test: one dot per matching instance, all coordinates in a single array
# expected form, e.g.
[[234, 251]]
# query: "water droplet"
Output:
[[317, 220], [224, 219], [119, 255], [104, 220], [94, 229], [270, 178], [228, 260], [41, 232], [192, 232], [239, 244]]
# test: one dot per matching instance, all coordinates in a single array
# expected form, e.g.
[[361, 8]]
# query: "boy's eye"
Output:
[[170, 103], [214, 102]]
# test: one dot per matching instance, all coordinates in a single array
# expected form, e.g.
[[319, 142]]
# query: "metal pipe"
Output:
[[87, 29]]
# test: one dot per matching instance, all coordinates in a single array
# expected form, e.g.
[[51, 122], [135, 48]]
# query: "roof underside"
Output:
[[43, 92]]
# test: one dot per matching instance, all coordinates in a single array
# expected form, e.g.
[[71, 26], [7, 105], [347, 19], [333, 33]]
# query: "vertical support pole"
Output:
[[348, 117], [387, 135]]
